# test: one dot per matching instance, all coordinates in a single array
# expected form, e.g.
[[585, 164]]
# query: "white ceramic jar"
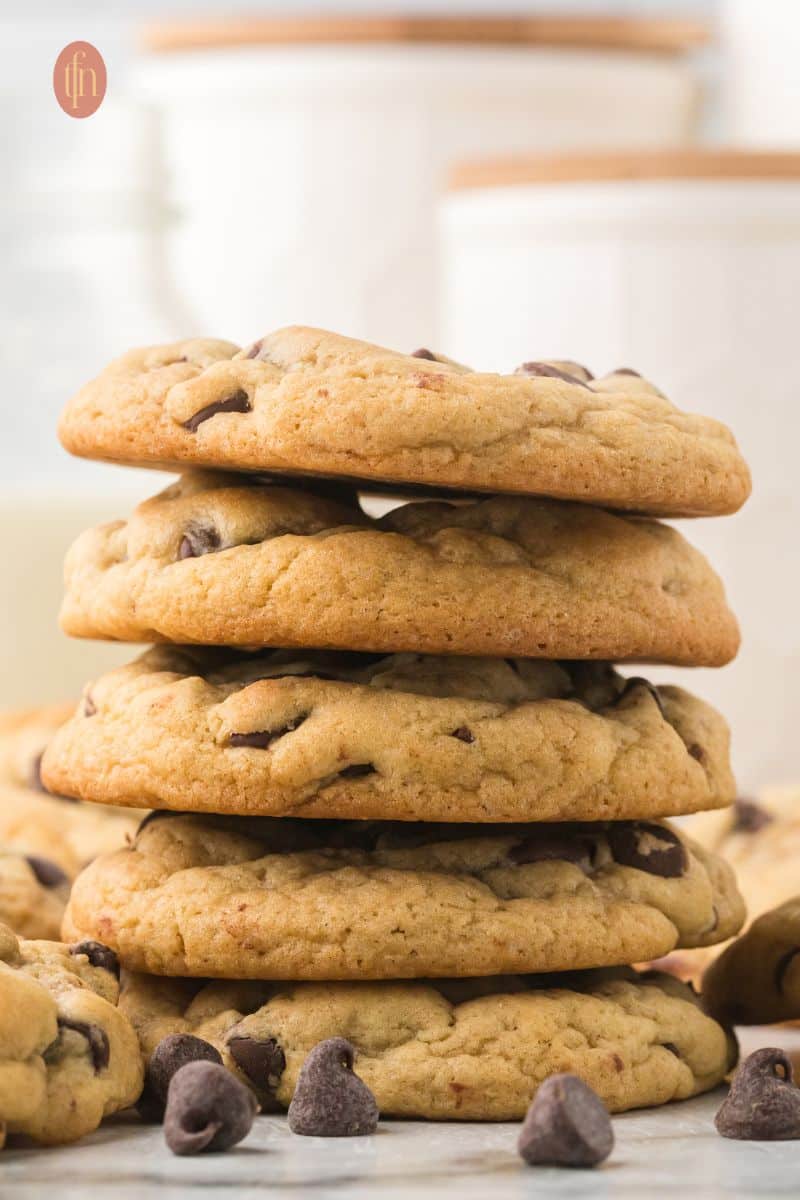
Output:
[[305, 155], [761, 92], [684, 266]]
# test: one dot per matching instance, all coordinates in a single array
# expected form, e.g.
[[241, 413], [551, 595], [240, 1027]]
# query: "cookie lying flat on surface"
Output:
[[214, 561], [451, 1049], [459, 739], [304, 400], [33, 894], [68, 1056], [756, 980], [260, 898]]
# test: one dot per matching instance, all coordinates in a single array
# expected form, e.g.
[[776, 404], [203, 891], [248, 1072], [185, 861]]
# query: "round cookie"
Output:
[[24, 733], [451, 1049], [403, 737], [214, 561], [756, 980], [265, 898], [307, 401], [68, 1056], [33, 894]]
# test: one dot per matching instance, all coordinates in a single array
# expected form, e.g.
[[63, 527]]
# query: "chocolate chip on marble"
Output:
[[48, 873], [357, 771], [96, 1037], [646, 847], [553, 847], [763, 1103], [749, 817], [207, 1109], [239, 402], [199, 540], [262, 739], [567, 1125], [330, 1100], [635, 682], [261, 1059], [463, 734], [171, 1053], [782, 966], [540, 369], [98, 955], [424, 353]]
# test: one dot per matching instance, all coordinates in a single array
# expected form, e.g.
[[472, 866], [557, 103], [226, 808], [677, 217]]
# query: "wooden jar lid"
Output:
[[662, 35], [712, 162]]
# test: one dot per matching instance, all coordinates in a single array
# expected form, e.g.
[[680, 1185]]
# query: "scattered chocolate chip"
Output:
[[171, 1053], [463, 734], [330, 1100], [537, 369], [262, 739], [357, 771], [547, 847], [763, 1103], [89, 706], [697, 751], [567, 1125], [749, 817], [199, 540], [97, 1039], [261, 1059], [48, 873], [98, 955], [633, 684], [673, 1049], [239, 402], [782, 966], [626, 371], [207, 1109], [423, 353], [646, 847]]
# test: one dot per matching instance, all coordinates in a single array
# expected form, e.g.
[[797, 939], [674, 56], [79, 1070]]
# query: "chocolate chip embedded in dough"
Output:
[[424, 353], [547, 847], [357, 771], [567, 1125], [262, 739], [330, 1100], [646, 847], [763, 1103], [626, 371], [463, 734], [89, 706], [697, 751], [199, 540], [98, 955], [540, 369], [96, 1037], [207, 1109], [261, 1059], [749, 817], [48, 873], [238, 402]]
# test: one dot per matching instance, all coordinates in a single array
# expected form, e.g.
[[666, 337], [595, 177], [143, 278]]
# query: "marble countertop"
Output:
[[673, 1151]]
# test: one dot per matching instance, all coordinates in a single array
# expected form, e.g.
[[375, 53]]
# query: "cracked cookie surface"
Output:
[[260, 898], [451, 1049], [305, 400], [756, 979], [438, 739], [214, 561], [68, 1056]]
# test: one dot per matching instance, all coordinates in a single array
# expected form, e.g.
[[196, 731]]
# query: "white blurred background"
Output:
[[229, 189]]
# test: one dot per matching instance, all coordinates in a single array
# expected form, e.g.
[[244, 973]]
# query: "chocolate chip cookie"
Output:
[[68, 1056], [307, 401], [402, 736], [263, 898], [214, 561], [33, 894], [466, 1049], [756, 980]]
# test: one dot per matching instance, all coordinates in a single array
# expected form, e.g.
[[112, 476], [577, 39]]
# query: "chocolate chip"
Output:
[[89, 706], [35, 774], [330, 1100], [749, 817], [98, 955], [207, 1109], [567, 1125], [632, 685], [48, 873], [697, 751], [239, 402], [97, 1039], [261, 1059], [171, 1053], [646, 847], [199, 540], [547, 847], [357, 771], [782, 966], [538, 369], [463, 734], [255, 350], [673, 1049], [763, 1103], [626, 371], [262, 739], [423, 353]]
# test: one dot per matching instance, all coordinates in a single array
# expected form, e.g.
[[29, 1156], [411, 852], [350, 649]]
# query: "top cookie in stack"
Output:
[[450, 662]]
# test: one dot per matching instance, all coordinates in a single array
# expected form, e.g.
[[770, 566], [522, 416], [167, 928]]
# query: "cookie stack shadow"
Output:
[[404, 795]]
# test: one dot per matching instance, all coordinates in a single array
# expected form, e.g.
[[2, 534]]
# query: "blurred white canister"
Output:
[[686, 267], [305, 155], [761, 80]]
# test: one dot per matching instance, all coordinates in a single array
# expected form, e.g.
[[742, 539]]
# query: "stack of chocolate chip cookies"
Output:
[[403, 794]]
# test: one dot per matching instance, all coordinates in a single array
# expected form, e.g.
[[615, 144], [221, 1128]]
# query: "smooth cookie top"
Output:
[[68, 1056], [307, 401], [259, 898], [401, 736], [214, 561]]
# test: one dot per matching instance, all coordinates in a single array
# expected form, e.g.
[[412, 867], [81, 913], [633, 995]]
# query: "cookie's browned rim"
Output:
[[662, 35], [713, 162]]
